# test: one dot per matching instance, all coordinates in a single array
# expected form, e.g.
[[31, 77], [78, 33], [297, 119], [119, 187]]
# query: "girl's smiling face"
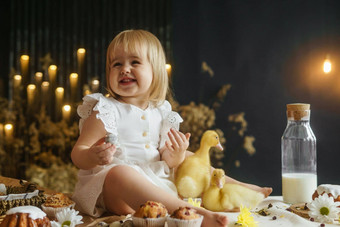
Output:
[[130, 76]]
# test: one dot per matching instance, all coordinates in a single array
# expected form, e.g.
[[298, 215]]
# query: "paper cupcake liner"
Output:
[[175, 222], [148, 222], [52, 211]]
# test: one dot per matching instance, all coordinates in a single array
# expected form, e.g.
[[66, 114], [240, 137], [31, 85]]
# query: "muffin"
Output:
[[185, 217], [56, 203], [150, 214]]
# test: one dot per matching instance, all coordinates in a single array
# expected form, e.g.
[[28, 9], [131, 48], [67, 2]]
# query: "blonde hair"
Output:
[[141, 41]]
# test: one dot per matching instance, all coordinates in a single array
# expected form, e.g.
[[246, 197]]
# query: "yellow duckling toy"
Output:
[[228, 197], [193, 175]]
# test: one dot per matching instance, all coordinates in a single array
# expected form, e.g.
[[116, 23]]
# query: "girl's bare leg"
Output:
[[265, 191], [125, 190]]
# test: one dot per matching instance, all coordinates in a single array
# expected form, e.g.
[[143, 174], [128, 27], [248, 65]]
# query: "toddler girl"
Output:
[[140, 165]]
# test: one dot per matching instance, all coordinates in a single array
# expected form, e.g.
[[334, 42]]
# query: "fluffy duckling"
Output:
[[228, 197], [193, 175]]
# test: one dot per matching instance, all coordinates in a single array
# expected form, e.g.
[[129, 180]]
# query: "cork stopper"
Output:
[[298, 111]]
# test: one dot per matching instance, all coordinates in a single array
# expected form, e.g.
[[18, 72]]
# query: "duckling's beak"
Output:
[[219, 146], [219, 183]]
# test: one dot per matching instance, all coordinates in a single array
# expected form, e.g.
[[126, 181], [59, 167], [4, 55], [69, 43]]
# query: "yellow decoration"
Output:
[[194, 202], [245, 219]]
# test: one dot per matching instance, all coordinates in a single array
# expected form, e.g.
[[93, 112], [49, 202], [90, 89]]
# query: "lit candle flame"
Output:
[[66, 112], [81, 51], [327, 66], [168, 69], [8, 131]]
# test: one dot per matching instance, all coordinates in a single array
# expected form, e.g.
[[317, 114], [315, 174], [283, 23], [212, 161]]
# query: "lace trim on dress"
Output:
[[106, 112], [171, 119]]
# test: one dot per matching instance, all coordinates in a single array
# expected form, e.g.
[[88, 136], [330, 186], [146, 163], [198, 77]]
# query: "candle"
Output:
[[24, 61], [95, 85], [38, 78], [59, 95], [1, 134], [16, 85], [168, 69], [8, 131], [17, 81], [66, 112], [44, 91], [30, 94], [74, 84], [80, 57], [52, 73], [86, 90]]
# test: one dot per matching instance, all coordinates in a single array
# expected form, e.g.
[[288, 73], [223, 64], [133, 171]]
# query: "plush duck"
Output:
[[228, 197], [193, 175]]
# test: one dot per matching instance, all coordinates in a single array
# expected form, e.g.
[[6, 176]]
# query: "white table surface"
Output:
[[284, 217]]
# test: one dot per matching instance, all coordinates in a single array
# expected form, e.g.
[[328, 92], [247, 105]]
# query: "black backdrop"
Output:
[[271, 52]]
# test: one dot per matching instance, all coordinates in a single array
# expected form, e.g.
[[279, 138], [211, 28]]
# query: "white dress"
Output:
[[140, 134]]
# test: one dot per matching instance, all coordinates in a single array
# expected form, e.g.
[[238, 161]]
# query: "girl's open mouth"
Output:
[[127, 81]]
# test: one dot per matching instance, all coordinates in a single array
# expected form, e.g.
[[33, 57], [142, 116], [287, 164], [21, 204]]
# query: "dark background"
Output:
[[271, 52]]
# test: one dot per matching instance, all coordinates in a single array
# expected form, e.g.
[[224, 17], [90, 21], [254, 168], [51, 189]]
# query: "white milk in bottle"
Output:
[[298, 150]]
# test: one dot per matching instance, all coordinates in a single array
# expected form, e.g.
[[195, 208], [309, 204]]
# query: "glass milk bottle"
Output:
[[298, 150]]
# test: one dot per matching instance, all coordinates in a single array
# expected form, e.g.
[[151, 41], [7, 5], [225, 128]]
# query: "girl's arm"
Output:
[[90, 149]]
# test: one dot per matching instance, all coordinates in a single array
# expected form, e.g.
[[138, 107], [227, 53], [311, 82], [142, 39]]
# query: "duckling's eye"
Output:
[[216, 137]]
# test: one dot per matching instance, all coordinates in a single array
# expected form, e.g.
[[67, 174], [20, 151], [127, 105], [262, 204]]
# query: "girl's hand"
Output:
[[176, 147], [102, 153]]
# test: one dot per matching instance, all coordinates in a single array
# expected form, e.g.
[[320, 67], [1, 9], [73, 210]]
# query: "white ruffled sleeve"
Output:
[[171, 119], [86, 108], [106, 111]]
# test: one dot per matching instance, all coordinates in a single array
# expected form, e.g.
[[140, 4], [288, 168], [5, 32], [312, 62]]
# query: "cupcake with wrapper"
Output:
[[185, 217], [56, 203], [151, 214]]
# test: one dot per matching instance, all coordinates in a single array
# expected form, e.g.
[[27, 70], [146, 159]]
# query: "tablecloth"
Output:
[[283, 217]]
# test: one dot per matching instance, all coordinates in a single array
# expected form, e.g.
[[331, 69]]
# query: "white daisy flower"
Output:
[[323, 209], [67, 217]]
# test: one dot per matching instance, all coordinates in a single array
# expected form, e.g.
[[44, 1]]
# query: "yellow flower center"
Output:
[[66, 223], [324, 210]]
